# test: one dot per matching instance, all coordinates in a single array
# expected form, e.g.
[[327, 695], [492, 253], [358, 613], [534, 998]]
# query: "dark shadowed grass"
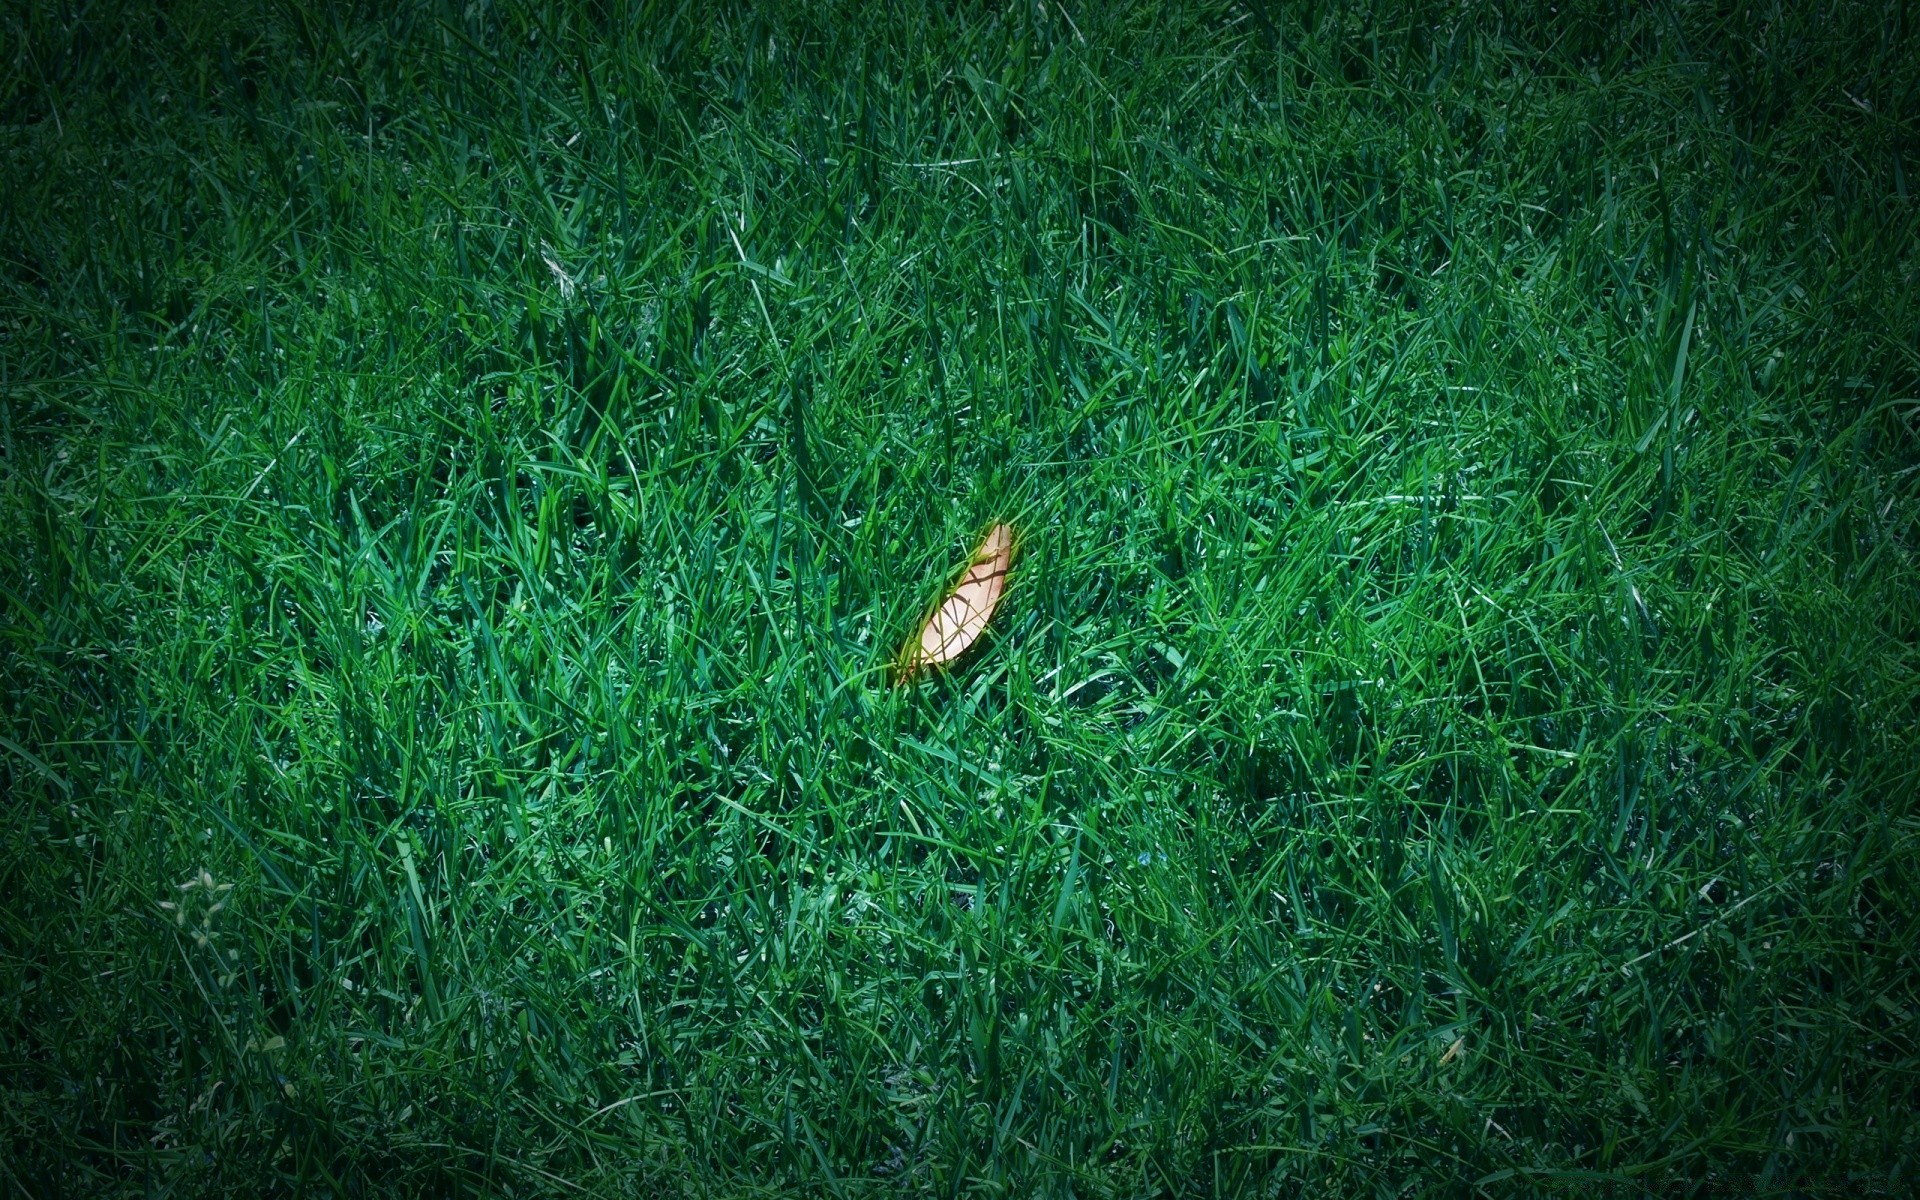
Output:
[[1453, 723]]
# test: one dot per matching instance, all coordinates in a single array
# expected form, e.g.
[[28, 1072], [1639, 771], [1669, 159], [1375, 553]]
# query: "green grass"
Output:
[[1454, 722]]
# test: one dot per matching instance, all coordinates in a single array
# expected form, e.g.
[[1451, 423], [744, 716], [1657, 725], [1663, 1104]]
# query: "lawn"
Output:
[[467, 470]]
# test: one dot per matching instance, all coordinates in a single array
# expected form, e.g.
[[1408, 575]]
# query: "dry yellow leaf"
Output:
[[962, 616]]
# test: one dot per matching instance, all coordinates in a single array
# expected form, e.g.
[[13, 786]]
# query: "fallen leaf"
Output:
[[1453, 1051], [962, 616]]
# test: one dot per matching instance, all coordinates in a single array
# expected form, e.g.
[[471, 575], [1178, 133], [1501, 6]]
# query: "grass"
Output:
[[1454, 723]]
